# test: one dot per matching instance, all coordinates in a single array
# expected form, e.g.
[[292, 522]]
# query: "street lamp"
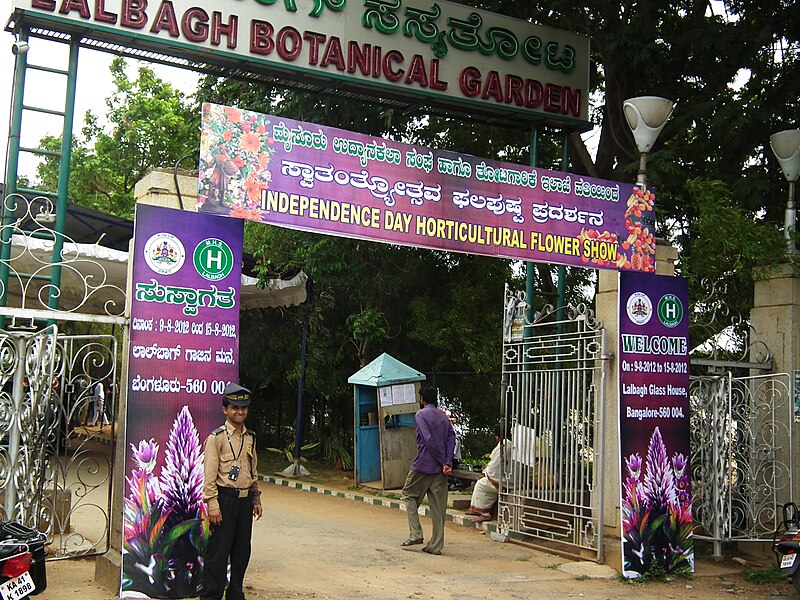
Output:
[[646, 116], [786, 146]]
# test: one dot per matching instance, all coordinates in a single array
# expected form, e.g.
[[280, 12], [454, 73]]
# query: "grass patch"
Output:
[[765, 576]]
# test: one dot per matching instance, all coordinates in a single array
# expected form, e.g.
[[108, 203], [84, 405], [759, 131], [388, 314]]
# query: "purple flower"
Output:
[[145, 454], [182, 475], [634, 464], [659, 477], [679, 462]]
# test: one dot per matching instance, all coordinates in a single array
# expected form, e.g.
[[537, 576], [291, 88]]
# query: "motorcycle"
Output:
[[15, 567], [786, 544], [22, 561]]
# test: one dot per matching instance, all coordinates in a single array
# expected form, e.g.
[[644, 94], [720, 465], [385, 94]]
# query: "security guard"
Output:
[[231, 492]]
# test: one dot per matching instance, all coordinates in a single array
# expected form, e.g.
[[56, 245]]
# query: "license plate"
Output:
[[788, 560], [17, 588]]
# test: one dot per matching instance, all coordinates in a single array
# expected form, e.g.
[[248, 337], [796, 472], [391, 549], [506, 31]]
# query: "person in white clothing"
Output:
[[487, 488], [99, 398]]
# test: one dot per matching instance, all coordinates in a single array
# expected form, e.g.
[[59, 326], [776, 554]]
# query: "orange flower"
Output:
[[227, 135], [250, 142], [242, 212], [253, 188], [263, 161], [238, 161], [234, 114]]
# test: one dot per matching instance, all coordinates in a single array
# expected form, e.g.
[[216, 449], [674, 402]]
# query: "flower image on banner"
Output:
[[166, 526], [235, 154], [657, 512]]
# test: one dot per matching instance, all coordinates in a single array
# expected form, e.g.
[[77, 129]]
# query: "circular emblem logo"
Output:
[[213, 259], [670, 310], [639, 308], [164, 253]]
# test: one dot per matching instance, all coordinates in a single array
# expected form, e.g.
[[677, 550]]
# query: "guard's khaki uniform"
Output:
[[229, 451]]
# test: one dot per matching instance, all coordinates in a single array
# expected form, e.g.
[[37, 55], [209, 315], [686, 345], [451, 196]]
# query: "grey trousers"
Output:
[[417, 486]]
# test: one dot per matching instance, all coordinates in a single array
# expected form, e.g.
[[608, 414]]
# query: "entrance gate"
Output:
[[553, 390], [741, 442], [55, 457], [553, 385]]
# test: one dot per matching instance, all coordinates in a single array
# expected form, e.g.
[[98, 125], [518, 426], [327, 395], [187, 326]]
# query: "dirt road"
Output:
[[312, 546]]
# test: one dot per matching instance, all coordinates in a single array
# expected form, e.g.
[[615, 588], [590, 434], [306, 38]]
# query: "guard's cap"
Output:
[[236, 395]]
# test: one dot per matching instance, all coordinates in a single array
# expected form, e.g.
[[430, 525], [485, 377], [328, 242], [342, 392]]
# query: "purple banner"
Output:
[[183, 350], [654, 425], [305, 176]]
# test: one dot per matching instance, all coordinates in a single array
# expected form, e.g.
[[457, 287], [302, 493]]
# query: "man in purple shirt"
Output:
[[436, 441]]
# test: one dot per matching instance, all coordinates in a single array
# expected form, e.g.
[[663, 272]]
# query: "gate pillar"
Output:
[[607, 313], [776, 318]]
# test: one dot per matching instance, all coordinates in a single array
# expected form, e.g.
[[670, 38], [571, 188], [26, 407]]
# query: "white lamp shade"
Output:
[[646, 116], [786, 146]]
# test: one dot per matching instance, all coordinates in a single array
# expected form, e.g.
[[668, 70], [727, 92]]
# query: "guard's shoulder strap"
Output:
[[218, 430]]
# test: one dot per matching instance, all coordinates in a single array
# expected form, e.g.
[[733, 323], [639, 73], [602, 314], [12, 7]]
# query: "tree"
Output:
[[734, 77], [151, 126]]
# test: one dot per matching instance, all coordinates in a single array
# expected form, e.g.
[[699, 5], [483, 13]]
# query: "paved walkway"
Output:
[[704, 567], [459, 517]]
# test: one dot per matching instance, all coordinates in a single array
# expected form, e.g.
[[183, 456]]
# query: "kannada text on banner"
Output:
[[326, 180], [183, 350], [656, 501]]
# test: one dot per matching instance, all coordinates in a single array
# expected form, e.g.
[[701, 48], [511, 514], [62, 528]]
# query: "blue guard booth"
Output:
[[386, 399]]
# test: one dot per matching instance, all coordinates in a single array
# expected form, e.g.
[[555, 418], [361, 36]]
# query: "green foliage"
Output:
[[730, 244], [151, 126], [765, 576], [288, 451]]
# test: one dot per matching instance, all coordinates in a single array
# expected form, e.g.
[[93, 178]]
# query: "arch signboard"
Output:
[[433, 54], [327, 180]]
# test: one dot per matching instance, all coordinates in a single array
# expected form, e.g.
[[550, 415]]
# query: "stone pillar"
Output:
[[607, 313], [775, 317], [158, 188]]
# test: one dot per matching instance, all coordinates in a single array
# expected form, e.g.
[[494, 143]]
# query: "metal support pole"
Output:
[[641, 176], [12, 167], [298, 428], [791, 215], [63, 176], [14, 434], [562, 270], [558, 405], [530, 284]]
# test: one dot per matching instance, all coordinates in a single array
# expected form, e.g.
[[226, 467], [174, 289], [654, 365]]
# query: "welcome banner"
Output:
[[654, 425], [326, 180], [183, 350]]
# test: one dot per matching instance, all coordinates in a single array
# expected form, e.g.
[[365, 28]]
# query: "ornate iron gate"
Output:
[[55, 464], [742, 468], [740, 427], [553, 379]]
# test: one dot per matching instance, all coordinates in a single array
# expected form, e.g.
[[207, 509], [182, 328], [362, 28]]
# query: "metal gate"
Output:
[[55, 463], [56, 466], [553, 380], [741, 440]]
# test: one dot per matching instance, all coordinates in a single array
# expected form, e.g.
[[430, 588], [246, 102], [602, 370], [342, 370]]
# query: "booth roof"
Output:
[[385, 370]]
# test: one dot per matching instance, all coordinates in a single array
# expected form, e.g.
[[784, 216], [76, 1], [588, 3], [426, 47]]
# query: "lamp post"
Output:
[[786, 146], [646, 116]]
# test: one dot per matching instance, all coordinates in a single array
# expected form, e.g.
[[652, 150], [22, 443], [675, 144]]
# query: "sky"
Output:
[[45, 90]]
